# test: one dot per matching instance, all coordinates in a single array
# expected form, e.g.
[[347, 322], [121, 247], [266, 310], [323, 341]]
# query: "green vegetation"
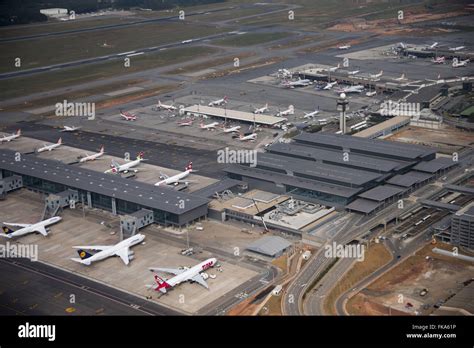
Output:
[[58, 79], [250, 39]]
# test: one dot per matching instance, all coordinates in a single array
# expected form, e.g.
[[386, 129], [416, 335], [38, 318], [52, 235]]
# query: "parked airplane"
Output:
[[232, 129], [176, 179], [371, 93], [401, 78], [209, 126], [186, 123], [311, 114], [251, 136], [459, 48], [376, 76], [128, 116], [9, 138], [161, 106], [439, 60], [121, 249], [329, 85], [70, 129], [459, 63], [351, 89], [297, 83], [118, 168], [50, 147], [334, 68], [344, 47], [353, 72], [40, 227], [184, 274], [218, 102], [93, 156], [289, 111], [261, 110]]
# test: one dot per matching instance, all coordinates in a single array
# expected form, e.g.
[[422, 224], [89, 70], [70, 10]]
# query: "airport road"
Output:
[[313, 304], [34, 288], [164, 155]]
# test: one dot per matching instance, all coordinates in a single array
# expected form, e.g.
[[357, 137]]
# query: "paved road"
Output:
[[34, 288]]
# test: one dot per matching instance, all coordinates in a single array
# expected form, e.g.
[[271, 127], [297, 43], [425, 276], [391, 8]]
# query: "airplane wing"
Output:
[[185, 181], [174, 271], [164, 176], [199, 279], [42, 230], [115, 164], [92, 247], [123, 253], [16, 225]]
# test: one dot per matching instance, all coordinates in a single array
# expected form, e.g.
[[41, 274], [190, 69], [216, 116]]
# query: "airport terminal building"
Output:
[[104, 191], [362, 175]]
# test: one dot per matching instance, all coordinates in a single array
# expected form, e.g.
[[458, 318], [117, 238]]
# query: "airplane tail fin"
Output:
[[140, 155], [102, 148], [60, 140], [225, 99], [83, 254], [7, 231], [189, 166], [18, 132], [161, 284]]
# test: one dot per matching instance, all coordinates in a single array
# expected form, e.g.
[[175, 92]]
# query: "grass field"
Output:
[[377, 256], [250, 39], [54, 50], [22, 86]]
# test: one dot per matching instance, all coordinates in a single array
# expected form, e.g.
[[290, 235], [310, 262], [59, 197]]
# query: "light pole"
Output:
[[342, 106]]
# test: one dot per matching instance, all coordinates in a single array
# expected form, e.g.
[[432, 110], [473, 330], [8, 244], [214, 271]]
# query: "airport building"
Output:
[[462, 227], [104, 191], [362, 175]]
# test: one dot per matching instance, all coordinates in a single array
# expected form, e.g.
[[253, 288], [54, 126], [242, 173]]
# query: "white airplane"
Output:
[[184, 274], [9, 138], [261, 110], [334, 68], [209, 126], [458, 64], [371, 93], [121, 249], [344, 47], [376, 76], [176, 179], [161, 106], [459, 48], [289, 111], [186, 41], [50, 147], [329, 85], [219, 102], [185, 123], [401, 78], [232, 129], [353, 72], [434, 45], [70, 129], [93, 156], [252, 136], [350, 89], [40, 227], [438, 60], [119, 168], [297, 83], [311, 114], [128, 116]]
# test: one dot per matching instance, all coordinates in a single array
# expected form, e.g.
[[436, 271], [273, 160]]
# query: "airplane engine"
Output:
[[131, 253]]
